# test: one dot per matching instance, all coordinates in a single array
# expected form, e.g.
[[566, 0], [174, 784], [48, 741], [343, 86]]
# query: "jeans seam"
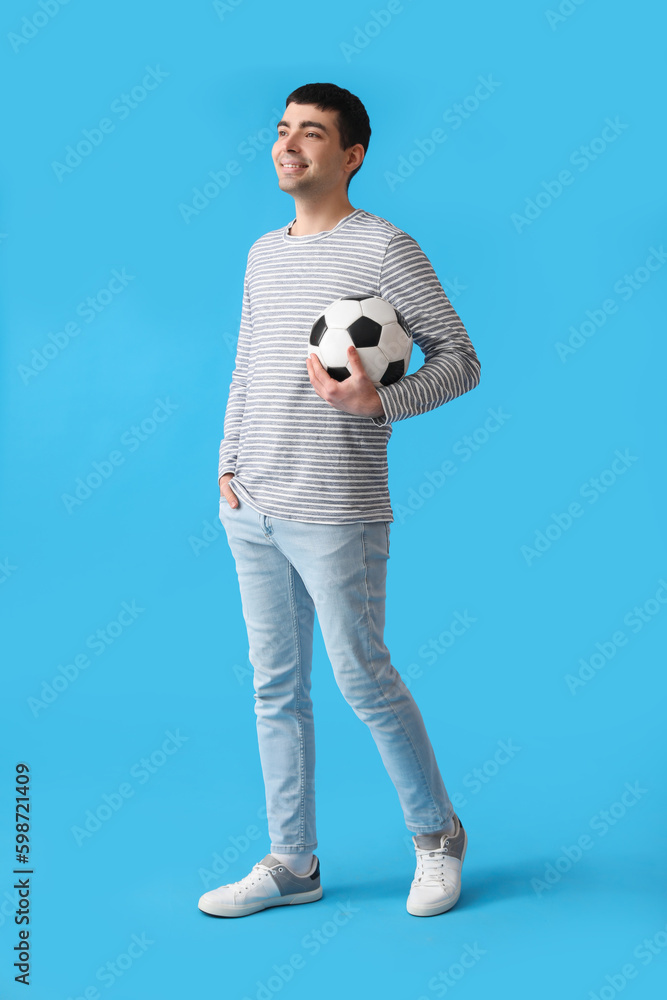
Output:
[[379, 683], [297, 709]]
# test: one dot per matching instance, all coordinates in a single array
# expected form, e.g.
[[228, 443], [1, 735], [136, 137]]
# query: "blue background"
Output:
[[149, 534]]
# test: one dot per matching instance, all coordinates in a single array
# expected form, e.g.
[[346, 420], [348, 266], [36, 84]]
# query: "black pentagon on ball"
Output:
[[395, 370], [340, 374], [318, 331], [359, 298], [365, 332]]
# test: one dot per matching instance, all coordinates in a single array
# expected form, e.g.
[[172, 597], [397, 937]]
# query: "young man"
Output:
[[305, 504]]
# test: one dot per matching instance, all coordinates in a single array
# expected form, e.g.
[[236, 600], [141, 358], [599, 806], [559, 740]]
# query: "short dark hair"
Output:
[[352, 120]]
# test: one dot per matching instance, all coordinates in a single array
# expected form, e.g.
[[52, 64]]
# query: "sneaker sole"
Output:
[[226, 910], [431, 911]]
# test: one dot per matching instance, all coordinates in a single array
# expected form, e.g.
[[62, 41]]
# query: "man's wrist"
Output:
[[385, 413]]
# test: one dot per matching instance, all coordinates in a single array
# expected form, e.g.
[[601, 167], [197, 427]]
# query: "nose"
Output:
[[288, 143]]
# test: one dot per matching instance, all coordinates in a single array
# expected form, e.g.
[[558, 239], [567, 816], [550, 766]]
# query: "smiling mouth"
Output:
[[294, 167]]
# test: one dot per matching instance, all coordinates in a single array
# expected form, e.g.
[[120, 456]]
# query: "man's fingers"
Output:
[[317, 369], [230, 496], [227, 492], [355, 362], [320, 380]]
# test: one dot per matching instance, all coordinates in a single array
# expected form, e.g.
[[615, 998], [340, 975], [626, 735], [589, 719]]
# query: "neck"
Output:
[[312, 219]]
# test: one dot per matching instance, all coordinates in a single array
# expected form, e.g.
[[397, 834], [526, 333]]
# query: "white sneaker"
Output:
[[269, 883], [436, 886]]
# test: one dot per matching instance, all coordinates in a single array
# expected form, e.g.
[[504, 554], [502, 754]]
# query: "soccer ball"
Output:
[[374, 327]]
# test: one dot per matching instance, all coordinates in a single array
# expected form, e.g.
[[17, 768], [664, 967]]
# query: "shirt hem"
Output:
[[241, 492]]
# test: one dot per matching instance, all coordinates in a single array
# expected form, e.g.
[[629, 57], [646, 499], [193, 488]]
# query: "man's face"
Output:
[[309, 140]]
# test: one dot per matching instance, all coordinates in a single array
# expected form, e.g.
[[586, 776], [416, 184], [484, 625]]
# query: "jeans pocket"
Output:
[[224, 506]]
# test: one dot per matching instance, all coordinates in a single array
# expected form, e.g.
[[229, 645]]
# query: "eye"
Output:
[[281, 131]]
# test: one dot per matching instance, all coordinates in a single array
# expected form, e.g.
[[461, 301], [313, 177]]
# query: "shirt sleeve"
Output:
[[237, 390], [451, 366]]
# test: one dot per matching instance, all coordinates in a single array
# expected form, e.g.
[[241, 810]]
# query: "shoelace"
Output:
[[257, 872], [431, 869]]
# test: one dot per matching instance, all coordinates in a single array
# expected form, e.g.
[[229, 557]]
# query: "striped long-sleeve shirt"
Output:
[[294, 455]]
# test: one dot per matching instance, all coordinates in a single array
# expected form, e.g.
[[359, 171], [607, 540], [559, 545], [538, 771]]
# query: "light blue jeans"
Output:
[[287, 571]]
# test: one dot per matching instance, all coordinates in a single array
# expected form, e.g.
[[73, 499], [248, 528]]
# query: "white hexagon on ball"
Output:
[[378, 309], [333, 349], [342, 313], [392, 342]]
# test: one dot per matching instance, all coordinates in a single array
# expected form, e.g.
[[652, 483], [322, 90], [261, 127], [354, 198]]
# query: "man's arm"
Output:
[[451, 366], [237, 391]]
